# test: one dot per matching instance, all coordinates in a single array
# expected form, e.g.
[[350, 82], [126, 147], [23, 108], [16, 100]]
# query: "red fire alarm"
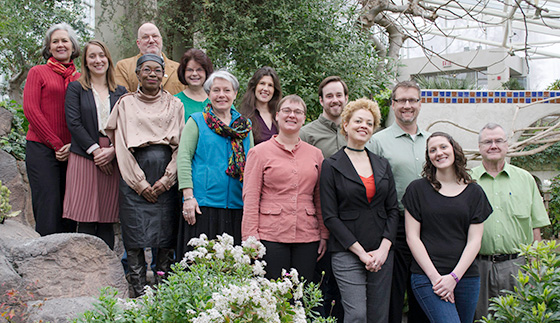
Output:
[[499, 77]]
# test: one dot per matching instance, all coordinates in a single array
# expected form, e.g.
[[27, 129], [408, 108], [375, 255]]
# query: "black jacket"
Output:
[[346, 211], [81, 116]]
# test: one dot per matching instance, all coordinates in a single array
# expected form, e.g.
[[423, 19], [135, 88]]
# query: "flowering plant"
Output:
[[216, 282]]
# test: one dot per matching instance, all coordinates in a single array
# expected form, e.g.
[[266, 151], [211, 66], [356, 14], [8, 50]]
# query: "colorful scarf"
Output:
[[238, 131], [67, 70]]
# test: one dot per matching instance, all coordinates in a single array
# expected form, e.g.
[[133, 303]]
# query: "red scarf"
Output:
[[66, 70]]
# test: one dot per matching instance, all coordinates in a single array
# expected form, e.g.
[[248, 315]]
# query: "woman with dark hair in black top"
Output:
[[444, 212]]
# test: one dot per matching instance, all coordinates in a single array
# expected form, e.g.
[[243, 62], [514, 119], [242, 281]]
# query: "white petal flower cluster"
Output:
[[253, 243]]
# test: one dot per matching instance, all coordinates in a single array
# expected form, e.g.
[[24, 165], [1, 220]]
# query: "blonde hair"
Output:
[[359, 104]]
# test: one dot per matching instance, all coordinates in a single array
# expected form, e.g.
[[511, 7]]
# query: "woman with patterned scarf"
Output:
[[210, 165], [48, 137]]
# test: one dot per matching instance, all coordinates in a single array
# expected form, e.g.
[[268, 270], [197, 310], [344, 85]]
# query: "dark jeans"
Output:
[[440, 311], [301, 256], [401, 282], [47, 179]]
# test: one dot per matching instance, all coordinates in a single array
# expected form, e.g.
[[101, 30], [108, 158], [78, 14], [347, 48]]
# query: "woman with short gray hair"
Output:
[[210, 165], [48, 137]]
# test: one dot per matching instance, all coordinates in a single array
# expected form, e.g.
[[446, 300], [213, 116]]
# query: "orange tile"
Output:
[[509, 94]]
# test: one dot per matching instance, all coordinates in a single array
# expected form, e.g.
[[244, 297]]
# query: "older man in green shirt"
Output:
[[518, 215], [404, 145]]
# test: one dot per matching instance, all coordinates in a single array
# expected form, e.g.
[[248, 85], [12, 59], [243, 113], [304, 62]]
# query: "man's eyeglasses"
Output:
[[498, 141], [404, 101]]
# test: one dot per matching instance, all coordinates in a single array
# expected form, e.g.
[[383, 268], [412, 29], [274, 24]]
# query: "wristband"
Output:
[[454, 276], [188, 198]]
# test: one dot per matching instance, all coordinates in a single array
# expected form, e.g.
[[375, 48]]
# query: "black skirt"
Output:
[[146, 224], [212, 222]]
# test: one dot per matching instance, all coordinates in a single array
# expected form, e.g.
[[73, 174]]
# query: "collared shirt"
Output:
[[518, 209], [406, 155], [323, 134]]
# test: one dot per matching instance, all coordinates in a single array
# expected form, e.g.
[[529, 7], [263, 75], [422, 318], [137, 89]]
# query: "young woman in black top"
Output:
[[444, 212]]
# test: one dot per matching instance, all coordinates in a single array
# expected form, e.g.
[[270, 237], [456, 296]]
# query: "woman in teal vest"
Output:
[[211, 161]]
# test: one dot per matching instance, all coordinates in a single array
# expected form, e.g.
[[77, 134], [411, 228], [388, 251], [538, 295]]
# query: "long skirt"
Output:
[[212, 222], [91, 195], [145, 224]]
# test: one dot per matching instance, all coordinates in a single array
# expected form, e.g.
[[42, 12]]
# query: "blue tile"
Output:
[[484, 94], [448, 93], [541, 94], [428, 93], [454, 100], [509, 100], [522, 94], [527, 100], [490, 100], [478, 94], [460, 94], [533, 94], [503, 94], [552, 94], [472, 100], [515, 94], [436, 100]]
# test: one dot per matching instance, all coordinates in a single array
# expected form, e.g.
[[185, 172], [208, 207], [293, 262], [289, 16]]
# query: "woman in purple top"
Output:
[[259, 103]]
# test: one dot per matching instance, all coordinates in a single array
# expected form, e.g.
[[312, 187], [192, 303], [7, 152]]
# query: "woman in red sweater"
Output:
[[48, 138]]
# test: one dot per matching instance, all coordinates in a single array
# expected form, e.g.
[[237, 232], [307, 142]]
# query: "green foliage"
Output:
[[303, 40], [215, 283], [23, 25], [554, 86], [5, 207], [536, 297], [553, 229], [383, 99], [549, 159], [445, 82], [14, 142], [512, 84]]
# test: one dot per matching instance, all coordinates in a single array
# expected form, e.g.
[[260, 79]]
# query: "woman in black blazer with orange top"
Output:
[[360, 209], [92, 181]]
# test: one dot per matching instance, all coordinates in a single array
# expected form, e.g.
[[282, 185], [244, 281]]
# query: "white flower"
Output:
[[258, 268], [298, 293], [225, 239], [198, 242], [252, 242]]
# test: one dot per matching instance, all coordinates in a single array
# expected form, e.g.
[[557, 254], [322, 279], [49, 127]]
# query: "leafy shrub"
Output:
[[216, 282], [5, 207], [553, 210], [536, 298], [14, 142], [447, 82]]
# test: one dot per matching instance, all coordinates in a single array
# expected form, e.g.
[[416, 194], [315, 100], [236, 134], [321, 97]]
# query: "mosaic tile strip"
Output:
[[508, 97]]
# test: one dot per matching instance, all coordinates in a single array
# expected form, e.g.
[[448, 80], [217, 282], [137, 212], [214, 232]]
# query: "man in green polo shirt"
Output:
[[404, 145], [518, 215]]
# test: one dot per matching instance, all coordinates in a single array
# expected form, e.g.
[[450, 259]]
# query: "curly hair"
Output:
[[459, 164], [359, 104]]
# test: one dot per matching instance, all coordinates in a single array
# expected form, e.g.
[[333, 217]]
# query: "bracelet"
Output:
[[188, 198], [454, 276]]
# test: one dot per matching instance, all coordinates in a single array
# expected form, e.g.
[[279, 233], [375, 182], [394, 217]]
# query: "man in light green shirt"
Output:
[[518, 215], [404, 145]]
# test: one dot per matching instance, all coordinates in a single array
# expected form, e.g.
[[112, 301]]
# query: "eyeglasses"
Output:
[[404, 101], [288, 111], [147, 37], [498, 141], [198, 70], [147, 70]]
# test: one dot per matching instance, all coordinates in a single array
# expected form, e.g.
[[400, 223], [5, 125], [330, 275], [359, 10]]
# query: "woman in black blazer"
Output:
[[360, 209], [92, 181]]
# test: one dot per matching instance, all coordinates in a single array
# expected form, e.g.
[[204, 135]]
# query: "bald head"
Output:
[[149, 39]]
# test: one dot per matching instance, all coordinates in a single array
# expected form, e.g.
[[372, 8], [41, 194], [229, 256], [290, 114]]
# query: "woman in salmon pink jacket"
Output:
[[281, 205]]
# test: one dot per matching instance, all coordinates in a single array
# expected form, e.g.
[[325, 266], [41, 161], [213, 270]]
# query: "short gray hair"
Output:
[[491, 126], [221, 74], [71, 34]]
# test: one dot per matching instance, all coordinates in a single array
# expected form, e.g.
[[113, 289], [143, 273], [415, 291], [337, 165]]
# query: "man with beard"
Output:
[[324, 133], [404, 145]]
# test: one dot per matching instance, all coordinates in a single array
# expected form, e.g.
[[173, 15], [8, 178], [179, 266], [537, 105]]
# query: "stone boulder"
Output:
[[5, 121], [59, 265], [60, 310], [13, 175]]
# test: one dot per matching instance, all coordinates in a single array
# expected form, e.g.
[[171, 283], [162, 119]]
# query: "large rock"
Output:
[[13, 175], [61, 265], [5, 121], [60, 310]]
